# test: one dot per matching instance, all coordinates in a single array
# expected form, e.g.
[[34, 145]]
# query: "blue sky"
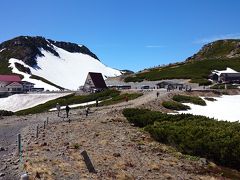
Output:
[[125, 34]]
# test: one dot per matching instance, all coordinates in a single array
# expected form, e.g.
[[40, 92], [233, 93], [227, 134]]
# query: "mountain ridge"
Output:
[[27, 48], [47, 59]]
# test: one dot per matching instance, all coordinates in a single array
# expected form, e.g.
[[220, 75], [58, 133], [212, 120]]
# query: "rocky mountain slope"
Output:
[[41, 61], [229, 48]]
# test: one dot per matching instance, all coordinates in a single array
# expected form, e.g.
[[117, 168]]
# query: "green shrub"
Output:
[[189, 99], [6, 113], [210, 99], [195, 135], [175, 105], [201, 82], [76, 146], [222, 86]]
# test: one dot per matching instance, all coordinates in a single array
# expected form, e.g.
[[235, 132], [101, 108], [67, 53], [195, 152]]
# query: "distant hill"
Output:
[[221, 49], [216, 55], [50, 64]]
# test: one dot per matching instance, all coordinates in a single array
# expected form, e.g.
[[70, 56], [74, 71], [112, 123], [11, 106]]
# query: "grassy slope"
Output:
[[70, 99], [220, 48], [197, 71], [121, 98], [110, 97]]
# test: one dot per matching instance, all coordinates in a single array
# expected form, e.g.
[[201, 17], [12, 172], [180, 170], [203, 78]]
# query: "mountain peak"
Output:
[[28, 48]]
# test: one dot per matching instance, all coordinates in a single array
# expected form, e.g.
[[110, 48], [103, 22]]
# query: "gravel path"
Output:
[[117, 149], [10, 127]]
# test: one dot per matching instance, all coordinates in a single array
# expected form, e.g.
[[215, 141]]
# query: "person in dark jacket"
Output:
[[96, 102], [67, 110], [87, 111]]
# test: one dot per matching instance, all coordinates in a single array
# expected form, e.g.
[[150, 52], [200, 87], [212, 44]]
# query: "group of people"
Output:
[[67, 108]]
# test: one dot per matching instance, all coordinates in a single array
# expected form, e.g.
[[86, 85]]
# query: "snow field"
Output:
[[19, 102], [225, 108], [69, 70]]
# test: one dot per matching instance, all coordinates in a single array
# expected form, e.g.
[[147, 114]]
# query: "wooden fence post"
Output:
[[88, 162], [37, 131], [19, 145]]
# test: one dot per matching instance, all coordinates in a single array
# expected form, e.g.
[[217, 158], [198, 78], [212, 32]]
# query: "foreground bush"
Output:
[[195, 135], [189, 99], [175, 105], [6, 113]]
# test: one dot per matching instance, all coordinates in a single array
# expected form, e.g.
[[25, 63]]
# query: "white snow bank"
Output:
[[38, 83], [69, 70], [228, 70], [24, 101], [76, 105], [225, 108]]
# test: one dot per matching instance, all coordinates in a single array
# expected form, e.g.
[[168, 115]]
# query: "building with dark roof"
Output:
[[225, 76], [230, 77], [94, 82]]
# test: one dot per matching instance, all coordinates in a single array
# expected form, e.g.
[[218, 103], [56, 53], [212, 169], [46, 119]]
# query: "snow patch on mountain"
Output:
[[26, 77], [69, 70]]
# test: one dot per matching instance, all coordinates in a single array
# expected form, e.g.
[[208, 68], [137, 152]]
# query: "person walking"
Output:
[[87, 111], [96, 102], [58, 107], [67, 110], [157, 94], [126, 98]]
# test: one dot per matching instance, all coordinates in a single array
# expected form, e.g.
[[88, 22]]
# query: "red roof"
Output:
[[10, 78]]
